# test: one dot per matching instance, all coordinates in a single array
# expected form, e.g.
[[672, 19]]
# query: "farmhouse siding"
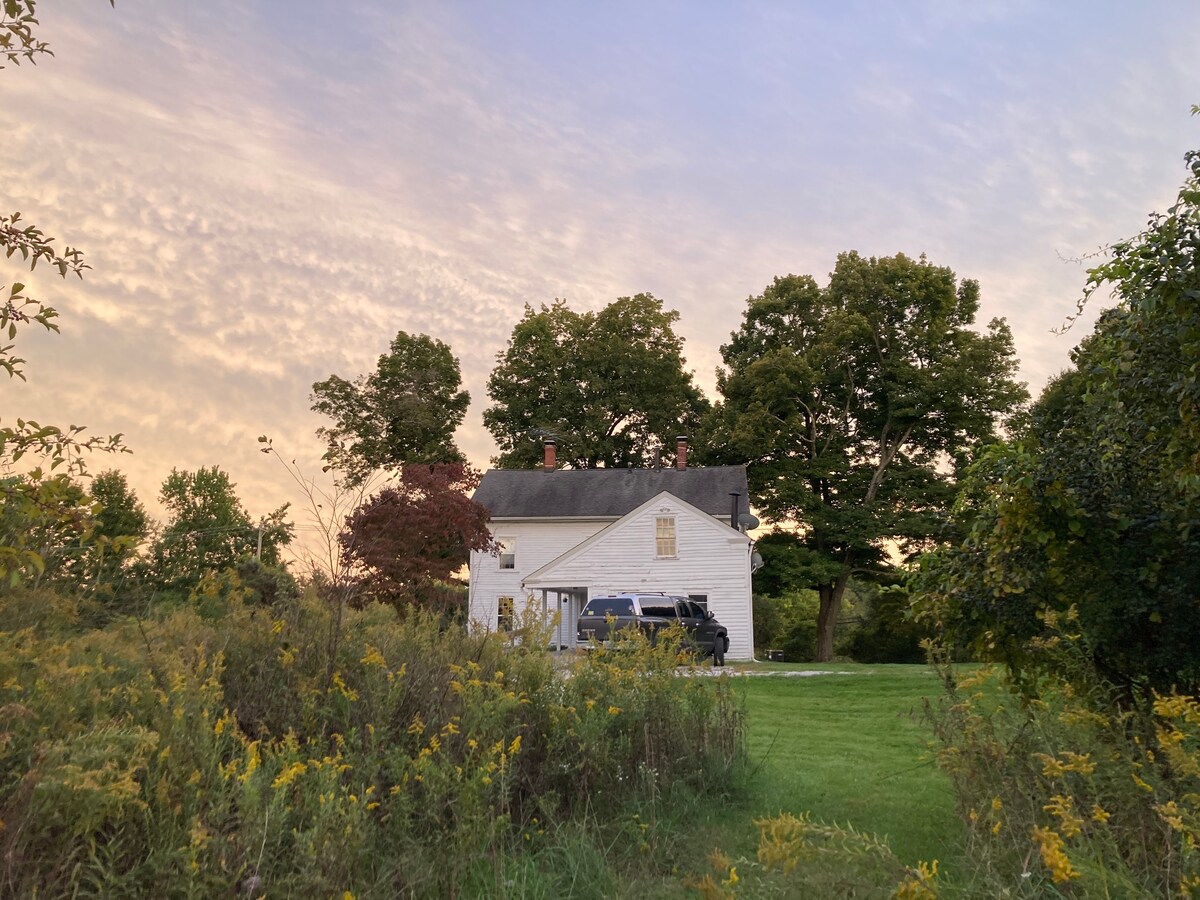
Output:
[[711, 559], [536, 544]]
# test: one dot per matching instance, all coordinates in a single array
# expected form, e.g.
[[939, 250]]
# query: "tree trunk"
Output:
[[827, 615]]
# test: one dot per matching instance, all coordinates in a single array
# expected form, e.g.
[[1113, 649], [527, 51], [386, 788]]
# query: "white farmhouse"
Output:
[[570, 534]]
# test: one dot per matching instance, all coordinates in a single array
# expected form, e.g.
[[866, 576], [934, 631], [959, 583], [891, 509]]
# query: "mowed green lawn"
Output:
[[853, 749]]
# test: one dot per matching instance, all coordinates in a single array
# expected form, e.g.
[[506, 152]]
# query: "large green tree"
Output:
[[610, 386], [210, 530], [405, 411], [852, 405], [1092, 512], [120, 525]]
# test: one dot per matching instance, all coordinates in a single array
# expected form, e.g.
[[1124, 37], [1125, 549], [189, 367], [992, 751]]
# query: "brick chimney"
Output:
[[549, 463], [681, 443]]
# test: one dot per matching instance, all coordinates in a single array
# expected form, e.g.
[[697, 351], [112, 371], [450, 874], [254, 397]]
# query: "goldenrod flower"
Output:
[[1050, 844]]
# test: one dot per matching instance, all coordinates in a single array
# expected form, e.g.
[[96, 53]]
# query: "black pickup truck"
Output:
[[604, 616]]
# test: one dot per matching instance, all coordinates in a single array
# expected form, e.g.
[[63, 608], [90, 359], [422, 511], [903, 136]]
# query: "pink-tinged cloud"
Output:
[[268, 192]]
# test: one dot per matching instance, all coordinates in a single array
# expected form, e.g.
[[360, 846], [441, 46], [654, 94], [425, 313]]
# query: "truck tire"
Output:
[[720, 645]]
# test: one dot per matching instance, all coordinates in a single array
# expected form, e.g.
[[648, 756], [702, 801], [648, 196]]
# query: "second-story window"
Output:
[[664, 536], [508, 553]]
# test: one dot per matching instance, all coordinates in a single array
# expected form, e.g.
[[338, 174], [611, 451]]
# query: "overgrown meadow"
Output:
[[228, 749]]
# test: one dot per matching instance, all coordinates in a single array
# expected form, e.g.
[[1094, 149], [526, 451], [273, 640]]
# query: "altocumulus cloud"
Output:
[[268, 192]]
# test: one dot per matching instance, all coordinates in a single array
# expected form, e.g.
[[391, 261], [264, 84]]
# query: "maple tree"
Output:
[[416, 532]]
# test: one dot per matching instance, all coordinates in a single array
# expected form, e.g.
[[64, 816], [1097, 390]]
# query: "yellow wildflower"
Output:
[[1079, 762], [252, 761], [373, 657], [1050, 844], [1171, 814], [1064, 809], [1052, 767], [347, 692], [288, 775]]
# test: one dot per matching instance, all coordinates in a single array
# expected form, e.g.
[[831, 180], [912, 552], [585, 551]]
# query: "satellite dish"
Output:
[[748, 521], [756, 562]]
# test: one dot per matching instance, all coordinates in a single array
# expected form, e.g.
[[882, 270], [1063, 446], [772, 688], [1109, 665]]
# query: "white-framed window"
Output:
[[664, 536], [508, 553], [700, 600], [506, 609]]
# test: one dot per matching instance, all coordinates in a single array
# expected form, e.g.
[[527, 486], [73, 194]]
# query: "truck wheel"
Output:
[[719, 649]]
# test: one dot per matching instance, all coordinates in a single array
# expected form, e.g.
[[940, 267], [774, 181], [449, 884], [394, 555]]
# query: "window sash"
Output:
[[505, 613], [508, 553], [664, 536]]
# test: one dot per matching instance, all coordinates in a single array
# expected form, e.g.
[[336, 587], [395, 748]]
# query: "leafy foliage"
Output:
[[417, 532], [120, 525], [1094, 508], [44, 524], [17, 39], [405, 411], [1073, 793], [787, 622], [210, 530], [53, 447], [849, 401], [39, 497], [886, 631], [610, 387]]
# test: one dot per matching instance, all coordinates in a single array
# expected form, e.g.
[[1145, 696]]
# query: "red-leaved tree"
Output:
[[408, 539]]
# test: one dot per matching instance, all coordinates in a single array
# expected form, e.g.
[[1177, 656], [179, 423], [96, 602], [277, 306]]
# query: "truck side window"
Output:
[[660, 609], [609, 606]]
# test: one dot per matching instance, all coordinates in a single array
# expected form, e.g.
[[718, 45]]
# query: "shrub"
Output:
[[788, 623], [886, 632], [1067, 791]]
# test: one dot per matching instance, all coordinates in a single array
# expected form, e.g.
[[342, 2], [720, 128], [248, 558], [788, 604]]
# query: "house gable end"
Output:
[[545, 574]]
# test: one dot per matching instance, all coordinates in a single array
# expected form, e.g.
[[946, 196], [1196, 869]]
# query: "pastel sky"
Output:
[[267, 191]]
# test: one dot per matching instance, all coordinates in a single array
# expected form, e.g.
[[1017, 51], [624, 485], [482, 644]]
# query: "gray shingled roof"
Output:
[[590, 493]]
